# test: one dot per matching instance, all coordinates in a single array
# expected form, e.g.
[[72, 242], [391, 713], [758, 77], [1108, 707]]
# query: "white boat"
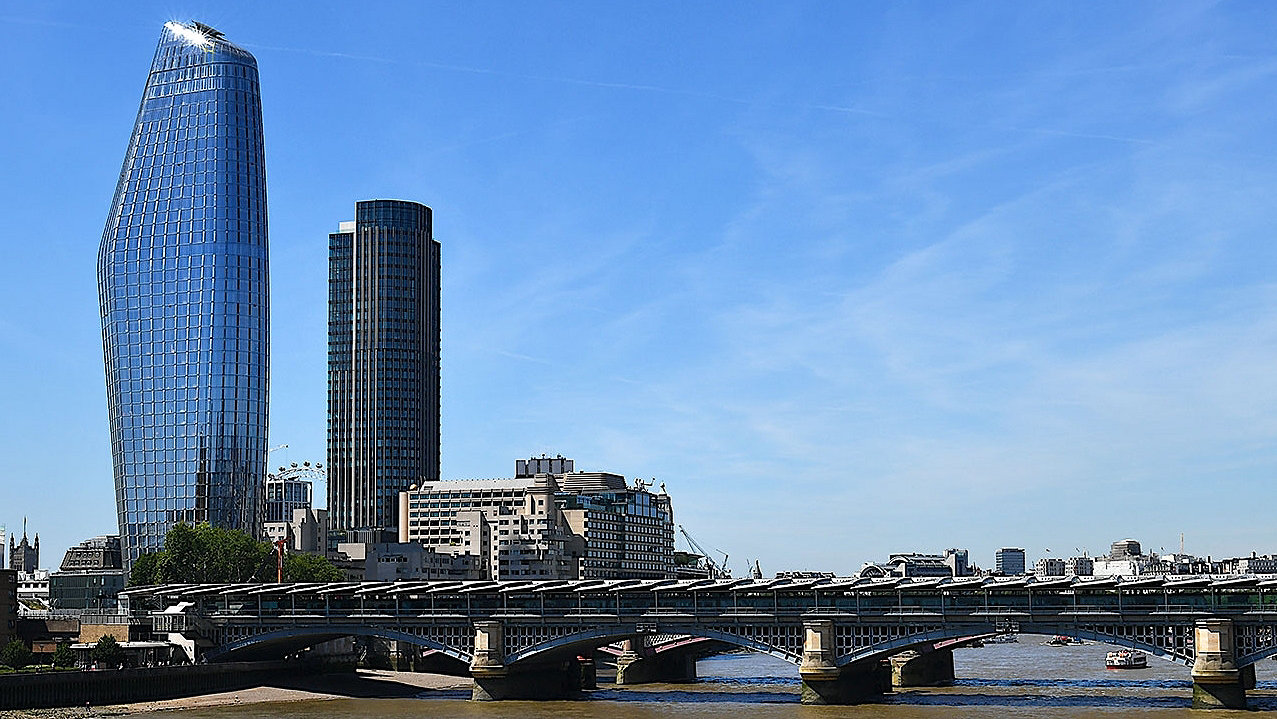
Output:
[[1125, 659], [1002, 639]]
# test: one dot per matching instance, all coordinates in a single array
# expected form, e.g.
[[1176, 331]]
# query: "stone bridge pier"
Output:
[[824, 682], [1218, 683], [495, 680], [639, 663], [925, 667]]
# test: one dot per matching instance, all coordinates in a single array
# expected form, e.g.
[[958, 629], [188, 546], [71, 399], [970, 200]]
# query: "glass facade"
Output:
[[184, 290], [383, 362]]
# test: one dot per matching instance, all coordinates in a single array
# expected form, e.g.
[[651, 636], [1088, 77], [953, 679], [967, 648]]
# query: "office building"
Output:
[[512, 525], [1082, 566], [404, 561], [1049, 567], [1125, 549], [383, 363], [1254, 564], [627, 532], [306, 531], [91, 575], [546, 525], [24, 556], [958, 561], [183, 286], [287, 491], [1009, 561]]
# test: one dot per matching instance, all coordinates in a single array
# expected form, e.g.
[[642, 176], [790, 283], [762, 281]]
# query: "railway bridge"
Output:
[[522, 639]]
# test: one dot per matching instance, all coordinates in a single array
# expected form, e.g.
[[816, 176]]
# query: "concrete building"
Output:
[[1079, 567], [1128, 566], [8, 605], [404, 561], [1182, 564], [24, 556], [544, 464], [104, 552], [1009, 561], [1050, 567], [958, 561], [33, 591], [184, 289], [1254, 564], [383, 362], [306, 531], [546, 525], [512, 525], [1125, 549], [91, 575], [912, 564]]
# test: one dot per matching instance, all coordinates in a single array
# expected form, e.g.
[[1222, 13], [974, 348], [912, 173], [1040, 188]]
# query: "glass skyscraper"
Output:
[[383, 362], [183, 285]]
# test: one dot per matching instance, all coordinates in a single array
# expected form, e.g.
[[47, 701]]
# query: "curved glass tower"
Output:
[[183, 284]]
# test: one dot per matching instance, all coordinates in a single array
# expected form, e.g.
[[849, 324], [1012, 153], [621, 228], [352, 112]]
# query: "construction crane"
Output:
[[716, 571]]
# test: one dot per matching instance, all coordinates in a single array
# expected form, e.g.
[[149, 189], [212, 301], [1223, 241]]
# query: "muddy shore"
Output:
[[361, 684]]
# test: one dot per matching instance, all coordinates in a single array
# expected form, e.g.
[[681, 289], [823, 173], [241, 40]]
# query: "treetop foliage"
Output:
[[204, 554]]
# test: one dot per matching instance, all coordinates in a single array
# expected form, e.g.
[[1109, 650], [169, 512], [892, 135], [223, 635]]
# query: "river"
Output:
[[1013, 680]]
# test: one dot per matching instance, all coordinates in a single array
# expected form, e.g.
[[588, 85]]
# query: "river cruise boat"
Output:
[[1125, 659]]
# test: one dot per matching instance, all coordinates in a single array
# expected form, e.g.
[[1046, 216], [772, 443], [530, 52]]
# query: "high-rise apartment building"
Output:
[[183, 285], [383, 362]]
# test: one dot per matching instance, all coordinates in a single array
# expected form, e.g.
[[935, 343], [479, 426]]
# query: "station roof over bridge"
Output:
[[824, 585]]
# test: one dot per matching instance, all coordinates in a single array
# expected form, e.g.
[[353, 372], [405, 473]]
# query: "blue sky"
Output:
[[850, 278]]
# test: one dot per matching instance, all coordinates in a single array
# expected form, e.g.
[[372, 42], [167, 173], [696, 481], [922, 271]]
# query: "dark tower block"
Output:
[[383, 363]]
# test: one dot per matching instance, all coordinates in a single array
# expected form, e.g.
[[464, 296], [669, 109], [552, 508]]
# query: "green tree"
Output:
[[204, 554], [108, 652], [232, 556], [63, 656], [179, 561], [301, 567], [16, 654], [145, 570]]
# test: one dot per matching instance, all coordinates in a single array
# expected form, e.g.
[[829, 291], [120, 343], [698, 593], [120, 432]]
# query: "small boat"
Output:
[[1125, 659], [1058, 640], [1002, 639]]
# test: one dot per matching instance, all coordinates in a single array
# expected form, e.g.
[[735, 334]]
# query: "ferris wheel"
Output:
[[314, 472]]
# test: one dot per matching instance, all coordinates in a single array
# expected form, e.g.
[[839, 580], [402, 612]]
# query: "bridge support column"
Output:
[[824, 682], [495, 681], [1217, 682], [587, 673], [928, 668], [639, 665]]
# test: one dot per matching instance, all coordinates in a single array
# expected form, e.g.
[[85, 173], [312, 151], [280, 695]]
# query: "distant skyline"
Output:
[[851, 279]]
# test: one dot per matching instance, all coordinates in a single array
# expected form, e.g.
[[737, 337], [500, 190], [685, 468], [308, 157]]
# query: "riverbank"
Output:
[[363, 684]]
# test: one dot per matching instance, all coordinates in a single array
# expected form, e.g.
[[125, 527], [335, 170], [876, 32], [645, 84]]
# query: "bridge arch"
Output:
[[282, 642], [881, 650], [593, 638]]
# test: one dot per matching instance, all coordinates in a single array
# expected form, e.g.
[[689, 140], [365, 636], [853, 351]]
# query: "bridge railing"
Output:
[[1083, 613]]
